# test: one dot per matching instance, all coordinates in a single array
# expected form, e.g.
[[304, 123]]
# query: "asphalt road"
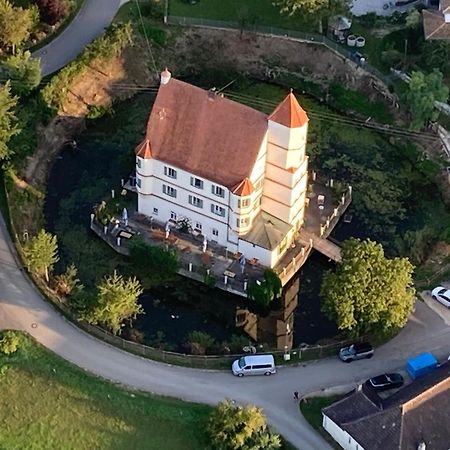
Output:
[[93, 17], [21, 306]]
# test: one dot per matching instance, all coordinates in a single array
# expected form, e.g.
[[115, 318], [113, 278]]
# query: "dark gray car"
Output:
[[356, 351]]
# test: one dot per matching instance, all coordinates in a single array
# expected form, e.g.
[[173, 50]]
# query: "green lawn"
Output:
[[262, 11], [311, 409], [47, 403]]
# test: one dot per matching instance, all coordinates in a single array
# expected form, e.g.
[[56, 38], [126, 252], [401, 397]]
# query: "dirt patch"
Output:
[[264, 57], [103, 84]]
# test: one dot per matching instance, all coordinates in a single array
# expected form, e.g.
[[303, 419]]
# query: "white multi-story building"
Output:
[[238, 175]]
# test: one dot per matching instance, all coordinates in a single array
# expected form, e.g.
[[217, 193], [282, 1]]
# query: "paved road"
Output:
[[21, 306], [93, 17]]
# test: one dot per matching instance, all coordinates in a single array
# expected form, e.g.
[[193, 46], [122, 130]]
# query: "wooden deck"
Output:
[[322, 245]]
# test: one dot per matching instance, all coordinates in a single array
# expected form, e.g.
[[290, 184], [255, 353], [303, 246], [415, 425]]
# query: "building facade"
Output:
[[234, 174]]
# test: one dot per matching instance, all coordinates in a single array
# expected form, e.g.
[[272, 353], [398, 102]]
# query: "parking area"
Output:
[[437, 307]]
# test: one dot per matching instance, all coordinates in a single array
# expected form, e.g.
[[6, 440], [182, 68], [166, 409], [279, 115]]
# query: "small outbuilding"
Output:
[[339, 28], [421, 365]]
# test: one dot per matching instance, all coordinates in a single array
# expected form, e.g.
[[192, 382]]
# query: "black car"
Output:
[[386, 381]]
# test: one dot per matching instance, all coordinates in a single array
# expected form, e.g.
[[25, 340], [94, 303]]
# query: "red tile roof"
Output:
[[144, 150], [204, 133], [244, 188], [289, 113]]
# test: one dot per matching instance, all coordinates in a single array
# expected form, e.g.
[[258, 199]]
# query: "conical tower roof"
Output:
[[143, 150], [289, 113], [244, 188]]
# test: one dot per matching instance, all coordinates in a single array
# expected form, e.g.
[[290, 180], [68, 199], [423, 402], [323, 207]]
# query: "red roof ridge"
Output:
[[144, 150], [244, 188], [289, 113]]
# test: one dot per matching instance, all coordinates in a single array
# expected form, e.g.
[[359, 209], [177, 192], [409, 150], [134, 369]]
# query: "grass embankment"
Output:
[[311, 409], [260, 12], [48, 403]]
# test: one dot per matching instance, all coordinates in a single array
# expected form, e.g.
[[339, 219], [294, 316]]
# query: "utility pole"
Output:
[[406, 49], [166, 11]]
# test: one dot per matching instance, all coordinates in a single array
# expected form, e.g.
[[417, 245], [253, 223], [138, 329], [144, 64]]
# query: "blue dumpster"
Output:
[[421, 365]]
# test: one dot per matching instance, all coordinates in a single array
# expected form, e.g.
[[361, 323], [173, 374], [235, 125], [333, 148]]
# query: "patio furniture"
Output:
[[321, 201], [229, 274]]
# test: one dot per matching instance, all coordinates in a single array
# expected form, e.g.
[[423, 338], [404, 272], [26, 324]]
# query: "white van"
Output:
[[254, 365]]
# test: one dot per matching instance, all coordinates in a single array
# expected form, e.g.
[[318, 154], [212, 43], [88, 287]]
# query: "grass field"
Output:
[[48, 404], [312, 412], [262, 11]]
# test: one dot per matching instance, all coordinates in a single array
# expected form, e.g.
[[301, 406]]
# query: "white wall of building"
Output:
[[152, 181], [339, 435], [264, 256]]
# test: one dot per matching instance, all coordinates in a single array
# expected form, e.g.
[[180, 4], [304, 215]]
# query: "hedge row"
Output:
[[107, 46]]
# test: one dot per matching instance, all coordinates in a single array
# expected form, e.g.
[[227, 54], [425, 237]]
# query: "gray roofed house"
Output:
[[436, 23], [415, 415]]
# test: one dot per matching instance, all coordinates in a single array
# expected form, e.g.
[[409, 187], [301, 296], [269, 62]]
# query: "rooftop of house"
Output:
[[402, 421], [267, 231], [209, 135], [434, 24]]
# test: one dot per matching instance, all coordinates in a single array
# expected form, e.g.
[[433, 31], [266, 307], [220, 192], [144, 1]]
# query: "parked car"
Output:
[[356, 351], [442, 295], [254, 365], [386, 381]]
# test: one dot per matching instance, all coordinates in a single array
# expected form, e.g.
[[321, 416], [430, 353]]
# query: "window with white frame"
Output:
[[195, 201], [215, 232], [218, 210], [173, 215], [138, 182], [258, 184], [155, 211], [138, 162], [197, 183], [169, 172], [243, 222], [217, 190], [198, 226], [170, 191], [244, 203]]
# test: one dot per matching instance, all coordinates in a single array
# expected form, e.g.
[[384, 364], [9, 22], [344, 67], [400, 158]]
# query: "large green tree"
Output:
[[16, 24], [41, 253], [368, 293], [154, 266], [423, 91], [233, 427], [116, 301], [315, 10], [23, 71], [8, 119]]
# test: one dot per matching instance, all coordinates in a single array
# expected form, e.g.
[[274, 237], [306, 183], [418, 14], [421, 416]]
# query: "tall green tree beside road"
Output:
[[368, 293], [8, 120], [41, 253], [292, 7], [423, 91], [23, 72], [16, 24], [234, 427], [116, 302]]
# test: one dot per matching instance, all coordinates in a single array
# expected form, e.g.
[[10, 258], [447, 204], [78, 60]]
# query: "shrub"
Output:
[[200, 343], [9, 342], [52, 11], [107, 46]]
